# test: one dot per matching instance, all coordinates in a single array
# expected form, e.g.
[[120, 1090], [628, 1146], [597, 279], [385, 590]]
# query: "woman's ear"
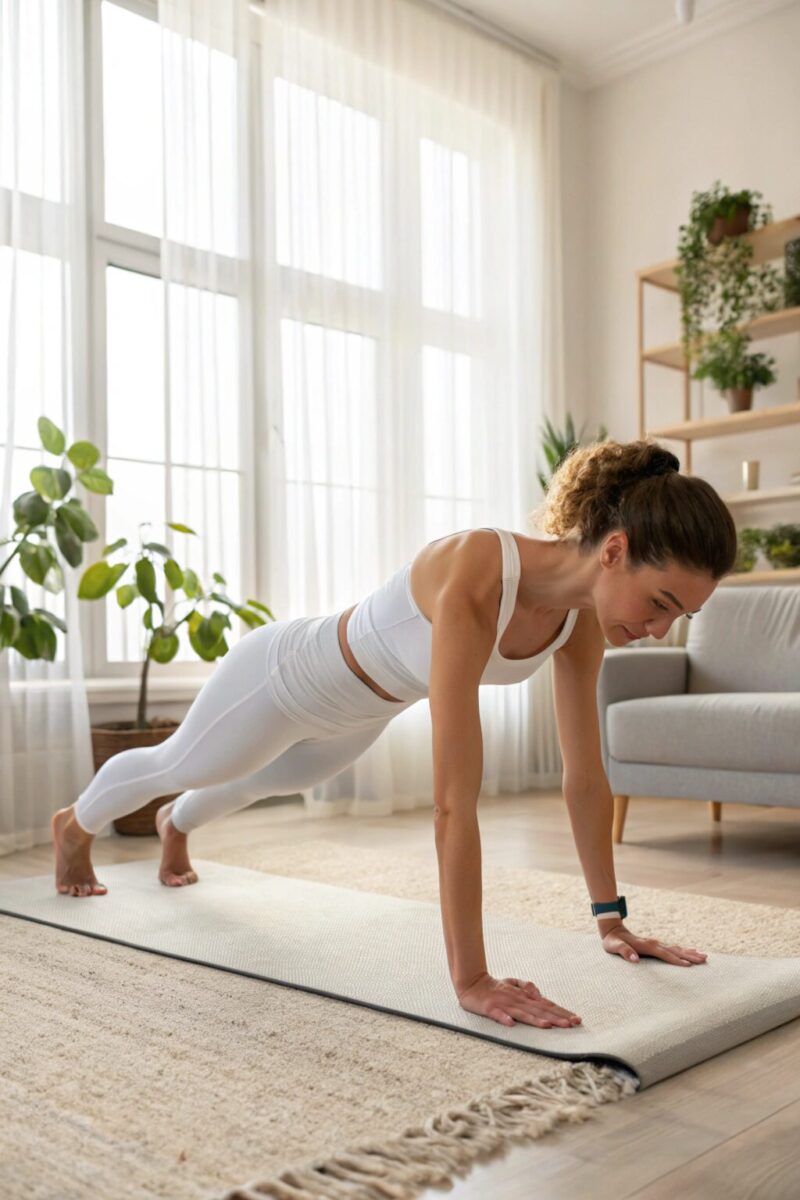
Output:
[[614, 549]]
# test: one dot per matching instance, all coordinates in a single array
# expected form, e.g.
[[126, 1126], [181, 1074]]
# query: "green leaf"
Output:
[[114, 546], [83, 455], [50, 482], [54, 579], [173, 573], [195, 620], [158, 548], [219, 578], [19, 600], [52, 618], [69, 543], [51, 436], [207, 634], [200, 646], [99, 579], [180, 528], [223, 599], [163, 649], [261, 607], [30, 509], [36, 561], [251, 619], [147, 619], [36, 638], [96, 480], [9, 628], [126, 594], [80, 521], [146, 579], [191, 584]]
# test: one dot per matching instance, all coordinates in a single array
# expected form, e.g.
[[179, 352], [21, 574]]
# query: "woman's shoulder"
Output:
[[469, 562]]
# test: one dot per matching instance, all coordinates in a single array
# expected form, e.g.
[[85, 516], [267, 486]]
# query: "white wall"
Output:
[[632, 153]]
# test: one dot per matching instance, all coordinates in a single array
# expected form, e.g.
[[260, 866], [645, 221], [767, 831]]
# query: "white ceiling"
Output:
[[599, 40]]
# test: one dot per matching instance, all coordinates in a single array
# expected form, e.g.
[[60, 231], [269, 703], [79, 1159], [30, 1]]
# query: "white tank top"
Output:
[[391, 639]]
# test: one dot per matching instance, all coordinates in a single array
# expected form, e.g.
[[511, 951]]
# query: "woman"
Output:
[[295, 702]]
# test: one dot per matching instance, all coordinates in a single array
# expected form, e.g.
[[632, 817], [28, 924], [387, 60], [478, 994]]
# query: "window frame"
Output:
[[110, 245]]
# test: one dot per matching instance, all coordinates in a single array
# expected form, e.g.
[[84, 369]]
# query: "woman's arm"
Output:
[[587, 792], [463, 636], [461, 644], [576, 666]]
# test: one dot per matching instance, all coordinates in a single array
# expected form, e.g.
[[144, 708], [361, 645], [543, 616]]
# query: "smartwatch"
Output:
[[611, 908]]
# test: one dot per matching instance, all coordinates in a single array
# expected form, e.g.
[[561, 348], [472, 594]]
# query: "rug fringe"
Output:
[[447, 1144]]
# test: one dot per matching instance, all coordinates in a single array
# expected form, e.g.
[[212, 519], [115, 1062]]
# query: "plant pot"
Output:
[[739, 399], [733, 226], [111, 739]]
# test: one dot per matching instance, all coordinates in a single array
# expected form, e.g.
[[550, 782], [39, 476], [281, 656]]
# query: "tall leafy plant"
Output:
[[173, 598], [49, 530], [557, 444]]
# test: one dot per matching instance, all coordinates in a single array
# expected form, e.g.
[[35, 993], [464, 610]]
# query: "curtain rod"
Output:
[[468, 17]]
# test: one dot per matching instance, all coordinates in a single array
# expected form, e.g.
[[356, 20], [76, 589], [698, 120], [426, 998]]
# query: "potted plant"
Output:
[[782, 545], [717, 282], [48, 529], [749, 543], [557, 445], [204, 621], [725, 361]]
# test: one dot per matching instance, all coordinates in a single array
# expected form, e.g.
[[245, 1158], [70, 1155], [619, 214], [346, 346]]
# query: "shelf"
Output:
[[786, 575], [786, 320], [741, 422], [767, 242], [763, 497]]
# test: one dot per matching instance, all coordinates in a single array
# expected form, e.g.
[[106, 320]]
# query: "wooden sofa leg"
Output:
[[620, 812], [716, 810]]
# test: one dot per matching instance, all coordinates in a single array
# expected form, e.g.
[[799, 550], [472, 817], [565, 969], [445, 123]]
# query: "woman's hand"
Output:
[[622, 941], [510, 1000]]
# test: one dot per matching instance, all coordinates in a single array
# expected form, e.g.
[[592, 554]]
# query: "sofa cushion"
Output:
[[746, 639], [751, 731]]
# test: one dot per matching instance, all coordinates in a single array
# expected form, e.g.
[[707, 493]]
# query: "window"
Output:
[[173, 436]]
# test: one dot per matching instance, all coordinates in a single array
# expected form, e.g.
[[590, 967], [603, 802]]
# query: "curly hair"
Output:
[[637, 487]]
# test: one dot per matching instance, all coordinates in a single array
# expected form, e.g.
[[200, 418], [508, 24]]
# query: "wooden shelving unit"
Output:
[[788, 575], [768, 243]]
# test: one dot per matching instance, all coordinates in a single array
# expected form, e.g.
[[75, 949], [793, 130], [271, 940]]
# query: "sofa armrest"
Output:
[[628, 674]]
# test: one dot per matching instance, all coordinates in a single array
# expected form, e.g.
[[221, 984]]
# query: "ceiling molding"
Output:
[[667, 40]]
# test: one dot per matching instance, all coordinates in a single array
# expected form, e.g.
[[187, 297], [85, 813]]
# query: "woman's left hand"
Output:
[[622, 941]]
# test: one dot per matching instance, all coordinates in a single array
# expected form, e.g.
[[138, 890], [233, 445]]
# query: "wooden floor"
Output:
[[728, 1129]]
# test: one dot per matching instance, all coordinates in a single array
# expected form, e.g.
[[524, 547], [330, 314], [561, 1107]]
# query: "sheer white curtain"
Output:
[[410, 330], [45, 755], [206, 274]]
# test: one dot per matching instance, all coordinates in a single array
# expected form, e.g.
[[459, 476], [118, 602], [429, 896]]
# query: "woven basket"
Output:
[[116, 736]]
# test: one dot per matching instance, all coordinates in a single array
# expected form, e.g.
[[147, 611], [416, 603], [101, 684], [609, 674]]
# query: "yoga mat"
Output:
[[388, 953]]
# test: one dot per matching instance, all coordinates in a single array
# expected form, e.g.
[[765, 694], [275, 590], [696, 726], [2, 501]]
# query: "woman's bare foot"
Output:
[[175, 869], [74, 871]]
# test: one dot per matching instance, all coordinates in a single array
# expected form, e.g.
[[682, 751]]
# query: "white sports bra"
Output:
[[391, 639]]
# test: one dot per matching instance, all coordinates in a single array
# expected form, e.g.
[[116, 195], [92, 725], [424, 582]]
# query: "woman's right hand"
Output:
[[510, 1000]]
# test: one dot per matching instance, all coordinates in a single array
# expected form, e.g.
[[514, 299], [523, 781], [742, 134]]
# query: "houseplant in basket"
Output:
[[49, 530], [173, 599], [718, 285], [725, 362]]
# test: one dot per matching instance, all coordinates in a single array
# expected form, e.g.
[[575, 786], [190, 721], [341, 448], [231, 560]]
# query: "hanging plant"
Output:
[[718, 285]]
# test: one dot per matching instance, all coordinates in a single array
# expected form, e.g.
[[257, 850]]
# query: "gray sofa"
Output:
[[717, 720]]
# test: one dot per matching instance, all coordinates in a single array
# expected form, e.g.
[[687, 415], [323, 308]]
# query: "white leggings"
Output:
[[281, 712]]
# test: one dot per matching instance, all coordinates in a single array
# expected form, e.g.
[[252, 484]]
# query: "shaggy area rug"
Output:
[[129, 1074]]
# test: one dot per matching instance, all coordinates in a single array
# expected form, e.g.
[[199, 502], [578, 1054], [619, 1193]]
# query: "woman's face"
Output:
[[643, 602]]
